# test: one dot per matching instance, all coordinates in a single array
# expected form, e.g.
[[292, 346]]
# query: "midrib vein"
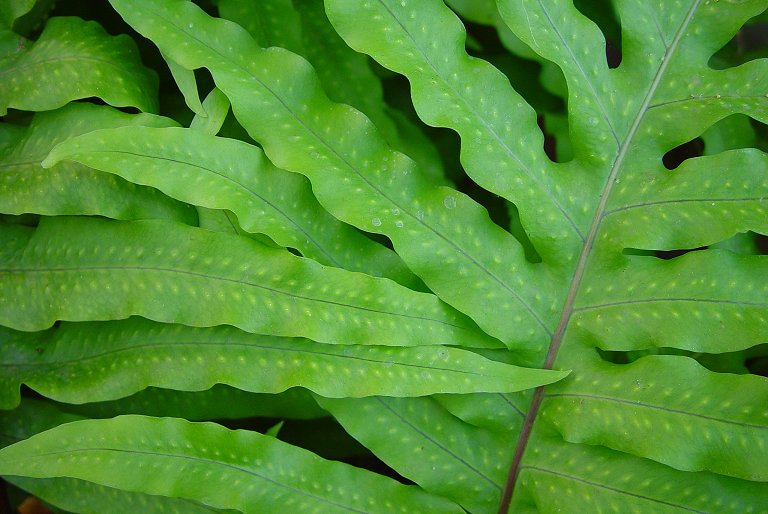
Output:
[[581, 265]]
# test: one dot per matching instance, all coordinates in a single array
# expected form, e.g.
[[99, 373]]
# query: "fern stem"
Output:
[[584, 255]]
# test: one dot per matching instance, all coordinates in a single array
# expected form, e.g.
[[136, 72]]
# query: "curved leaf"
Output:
[[187, 84], [216, 107], [582, 478], [11, 10], [359, 179], [192, 283], [707, 301], [270, 22], [228, 174], [34, 416], [177, 458], [639, 425], [72, 59], [669, 409], [441, 453], [30, 417], [90, 362], [502, 148], [70, 188], [347, 78]]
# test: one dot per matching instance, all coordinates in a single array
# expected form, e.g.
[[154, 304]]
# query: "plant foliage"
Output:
[[324, 301]]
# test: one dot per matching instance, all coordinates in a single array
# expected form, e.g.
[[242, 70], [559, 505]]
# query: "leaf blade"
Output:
[[220, 173], [83, 258], [174, 457], [373, 187], [69, 62], [94, 362], [71, 189]]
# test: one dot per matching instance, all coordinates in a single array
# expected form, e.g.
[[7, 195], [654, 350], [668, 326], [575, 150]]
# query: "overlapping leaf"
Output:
[[648, 432], [221, 173], [92, 362], [709, 301], [75, 495], [76, 59], [612, 144], [359, 179], [173, 273], [71, 188]]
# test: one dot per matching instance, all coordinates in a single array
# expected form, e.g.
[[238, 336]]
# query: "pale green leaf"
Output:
[[502, 148], [669, 409], [35, 416], [88, 498], [563, 477], [221, 220], [347, 78], [216, 107], [647, 282], [708, 301]]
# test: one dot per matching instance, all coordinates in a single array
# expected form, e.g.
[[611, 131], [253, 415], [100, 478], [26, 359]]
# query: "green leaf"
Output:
[[275, 429], [638, 264], [713, 422], [11, 10], [35, 416], [360, 180], [347, 78], [218, 402], [443, 454], [185, 80], [500, 139], [228, 174], [177, 459], [33, 19], [76, 59], [708, 301], [91, 362], [224, 221], [30, 417], [70, 188], [730, 133], [581, 478], [270, 22], [216, 107], [157, 267], [89, 498]]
